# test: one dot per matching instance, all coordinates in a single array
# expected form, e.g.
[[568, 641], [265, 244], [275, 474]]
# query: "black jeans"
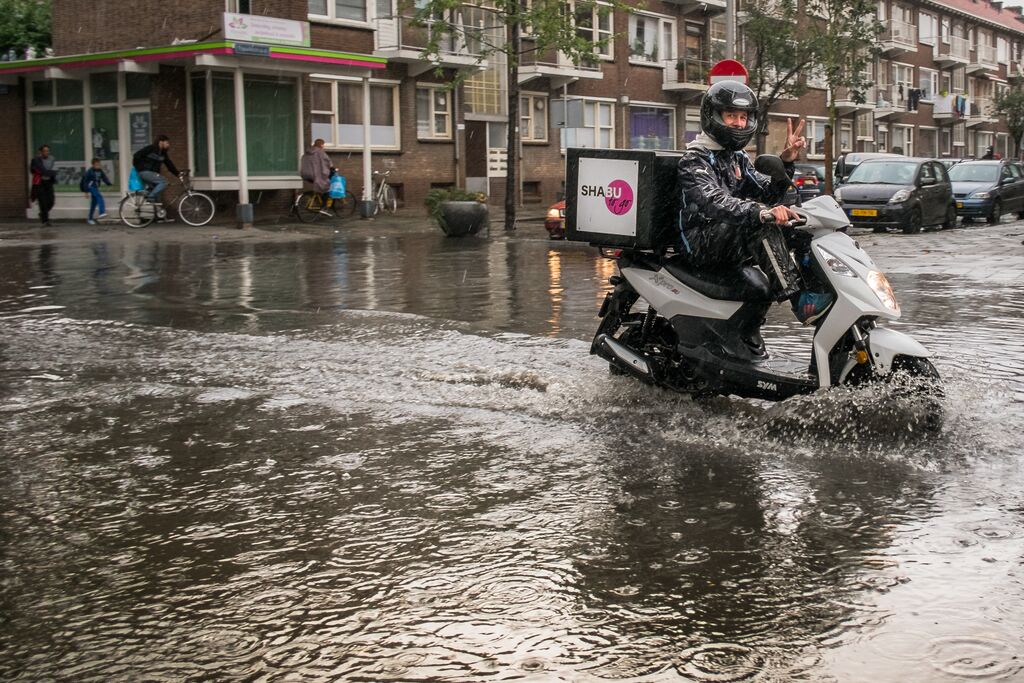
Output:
[[724, 246], [44, 195]]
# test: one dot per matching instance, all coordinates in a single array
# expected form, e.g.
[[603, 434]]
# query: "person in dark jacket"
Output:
[[44, 177], [147, 162], [731, 214]]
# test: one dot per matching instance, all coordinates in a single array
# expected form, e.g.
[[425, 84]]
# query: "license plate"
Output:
[[863, 212], [959, 205]]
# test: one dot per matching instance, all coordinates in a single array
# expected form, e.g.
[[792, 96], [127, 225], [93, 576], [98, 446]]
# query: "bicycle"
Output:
[[384, 196], [308, 206], [194, 208]]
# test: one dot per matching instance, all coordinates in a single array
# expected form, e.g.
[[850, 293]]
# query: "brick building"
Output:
[[243, 86]]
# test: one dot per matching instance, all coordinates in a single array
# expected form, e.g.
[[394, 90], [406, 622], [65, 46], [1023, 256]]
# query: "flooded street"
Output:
[[388, 456]]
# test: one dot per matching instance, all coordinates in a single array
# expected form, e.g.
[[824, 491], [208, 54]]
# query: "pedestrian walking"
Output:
[[91, 186], [44, 177]]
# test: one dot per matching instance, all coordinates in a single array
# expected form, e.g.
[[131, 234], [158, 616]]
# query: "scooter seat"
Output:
[[742, 283]]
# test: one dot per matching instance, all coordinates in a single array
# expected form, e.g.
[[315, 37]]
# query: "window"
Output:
[[958, 134], [865, 126], [815, 134], [533, 115], [691, 131], [1002, 51], [845, 136], [928, 82], [349, 10], [959, 79], [594, 23], [945, 142], [944, 31], [598, 127], [433, 113], [651, 128], [239, 6], [903, 140], [483, 90], [927, 29], [652, 39], [902, 81], [716, 29], [337, 114], [927, 142]]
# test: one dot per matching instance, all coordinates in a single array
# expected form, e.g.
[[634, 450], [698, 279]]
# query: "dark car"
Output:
[[898, 192], [807, 182], [987, 189], [554, 223], [849, 161]]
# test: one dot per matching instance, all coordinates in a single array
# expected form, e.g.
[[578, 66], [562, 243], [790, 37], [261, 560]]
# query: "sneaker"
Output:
[[324, 213], [102, 215], [811, 306], [90, 221]]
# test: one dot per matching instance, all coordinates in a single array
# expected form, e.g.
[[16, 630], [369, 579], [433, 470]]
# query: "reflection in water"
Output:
[[218, 463]]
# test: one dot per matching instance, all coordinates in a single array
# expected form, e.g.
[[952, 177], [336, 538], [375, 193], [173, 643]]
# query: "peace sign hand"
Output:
[[795, 141]]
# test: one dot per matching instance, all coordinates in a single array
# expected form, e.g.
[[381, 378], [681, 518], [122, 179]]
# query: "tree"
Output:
[[776, 51], [24, 24], [1011, 105], [845, 35], [513, 29]]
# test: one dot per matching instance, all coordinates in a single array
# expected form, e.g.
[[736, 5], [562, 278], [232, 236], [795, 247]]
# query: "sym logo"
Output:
[[618, 195]]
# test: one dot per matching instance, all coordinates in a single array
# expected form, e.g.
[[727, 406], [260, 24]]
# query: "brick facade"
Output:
[[14, 179]]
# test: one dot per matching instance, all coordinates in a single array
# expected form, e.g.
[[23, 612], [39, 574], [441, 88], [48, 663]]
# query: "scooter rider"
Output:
[[730, 212]]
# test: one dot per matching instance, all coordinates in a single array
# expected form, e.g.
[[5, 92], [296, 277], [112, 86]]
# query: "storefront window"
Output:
[[225, 151], [136, 86], [200, 154], [62, 131], [105, 144], [69, 93], [103, 88], [271, 127]]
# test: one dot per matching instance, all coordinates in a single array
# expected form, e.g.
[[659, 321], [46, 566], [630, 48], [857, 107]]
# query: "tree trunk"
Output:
[[830, 141], [512, 151], [762, 129]]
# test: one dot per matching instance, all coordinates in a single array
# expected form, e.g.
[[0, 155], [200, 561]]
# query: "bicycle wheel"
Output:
[[307, 206], [346, 206], [196, 209], [136, 211], [389, 200]]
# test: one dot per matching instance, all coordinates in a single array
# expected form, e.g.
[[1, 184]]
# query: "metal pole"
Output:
[[245, 212], [366, 204], [730, 29]]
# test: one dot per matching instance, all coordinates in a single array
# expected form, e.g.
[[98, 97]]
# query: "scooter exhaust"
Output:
[[614, 352]]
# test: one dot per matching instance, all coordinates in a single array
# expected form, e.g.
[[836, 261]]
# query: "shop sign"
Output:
[[251, 49], [253, 28]]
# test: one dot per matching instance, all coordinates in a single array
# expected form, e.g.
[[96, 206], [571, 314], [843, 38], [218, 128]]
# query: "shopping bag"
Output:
[[337, 190], [134, 181]]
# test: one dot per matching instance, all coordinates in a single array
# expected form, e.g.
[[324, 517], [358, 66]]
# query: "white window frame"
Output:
[[932, 77], [809, 132], [1002, 50], [653, 105], [945, 29], [846, 132], [432, 113], [907, 143], [598, 33], [865, 124], [959, 134], [332, 18], [927, 20], [527, 123], [238, 6], [395, 104], [925, 130], [595, 103], [663, 23]]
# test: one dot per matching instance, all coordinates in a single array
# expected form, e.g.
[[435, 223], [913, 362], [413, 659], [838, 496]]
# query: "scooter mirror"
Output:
[[771, 165]]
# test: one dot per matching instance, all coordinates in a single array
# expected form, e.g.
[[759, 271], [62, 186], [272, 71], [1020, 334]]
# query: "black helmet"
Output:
[[728, 96]]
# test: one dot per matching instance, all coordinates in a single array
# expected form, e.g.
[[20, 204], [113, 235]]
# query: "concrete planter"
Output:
[[458, 219]]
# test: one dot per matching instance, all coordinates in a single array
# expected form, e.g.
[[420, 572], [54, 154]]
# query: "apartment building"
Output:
[[243, 86]]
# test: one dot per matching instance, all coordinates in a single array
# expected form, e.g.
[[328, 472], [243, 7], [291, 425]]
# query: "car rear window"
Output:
[[888, 172], [974, 173]]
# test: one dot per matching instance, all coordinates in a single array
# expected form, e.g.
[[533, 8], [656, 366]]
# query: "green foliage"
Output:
[[24, 23], [1011, 105], [438, 195]]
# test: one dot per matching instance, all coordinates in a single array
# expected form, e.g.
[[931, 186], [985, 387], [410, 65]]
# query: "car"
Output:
[[849, 161], [554, 222], [898, 192], [807, 184], [987, 189], [817, 168], [950, 163]]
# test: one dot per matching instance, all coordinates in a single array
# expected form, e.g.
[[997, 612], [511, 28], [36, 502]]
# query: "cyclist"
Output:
[[147, 161], [316, 169]]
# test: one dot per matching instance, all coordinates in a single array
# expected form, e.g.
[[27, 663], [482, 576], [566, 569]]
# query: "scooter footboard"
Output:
[[886, 344]]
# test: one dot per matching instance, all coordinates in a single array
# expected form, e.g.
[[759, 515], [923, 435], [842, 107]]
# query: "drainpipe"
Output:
[[366, 205]]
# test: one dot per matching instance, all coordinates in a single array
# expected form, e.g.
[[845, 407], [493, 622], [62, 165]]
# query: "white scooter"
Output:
[[700, 333]]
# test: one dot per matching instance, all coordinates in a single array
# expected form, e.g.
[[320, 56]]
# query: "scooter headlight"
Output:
[[835, 264], [879, 284]]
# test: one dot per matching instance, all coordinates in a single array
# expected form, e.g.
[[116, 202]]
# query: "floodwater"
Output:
[[390, 457]]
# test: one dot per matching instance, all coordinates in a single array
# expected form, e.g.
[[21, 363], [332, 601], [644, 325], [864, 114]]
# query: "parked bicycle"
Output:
[[309, 206], [194, 208], [384, 196]]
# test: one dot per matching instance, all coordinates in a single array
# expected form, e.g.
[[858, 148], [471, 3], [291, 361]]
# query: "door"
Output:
[[136, 131], [930, 190], [476, 157]]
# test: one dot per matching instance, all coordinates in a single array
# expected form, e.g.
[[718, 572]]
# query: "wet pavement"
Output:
[[369, 452]]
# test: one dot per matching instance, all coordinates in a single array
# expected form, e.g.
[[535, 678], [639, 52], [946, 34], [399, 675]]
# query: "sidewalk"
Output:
[[276, 228]]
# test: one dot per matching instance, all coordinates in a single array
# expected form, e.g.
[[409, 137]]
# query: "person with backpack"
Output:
[[90, 185], [315, 168], [44, 177]]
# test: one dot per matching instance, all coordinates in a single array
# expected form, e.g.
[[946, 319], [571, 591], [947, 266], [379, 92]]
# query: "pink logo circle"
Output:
[[619, 197]]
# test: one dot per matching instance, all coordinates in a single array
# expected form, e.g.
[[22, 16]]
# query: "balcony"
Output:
[[982, 111], [985, 62], [557, 68], [686, 76], [400, 41], [944, 107], [709, 7], [953, 51], [898, 37], [889, 102], [848, 102]]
